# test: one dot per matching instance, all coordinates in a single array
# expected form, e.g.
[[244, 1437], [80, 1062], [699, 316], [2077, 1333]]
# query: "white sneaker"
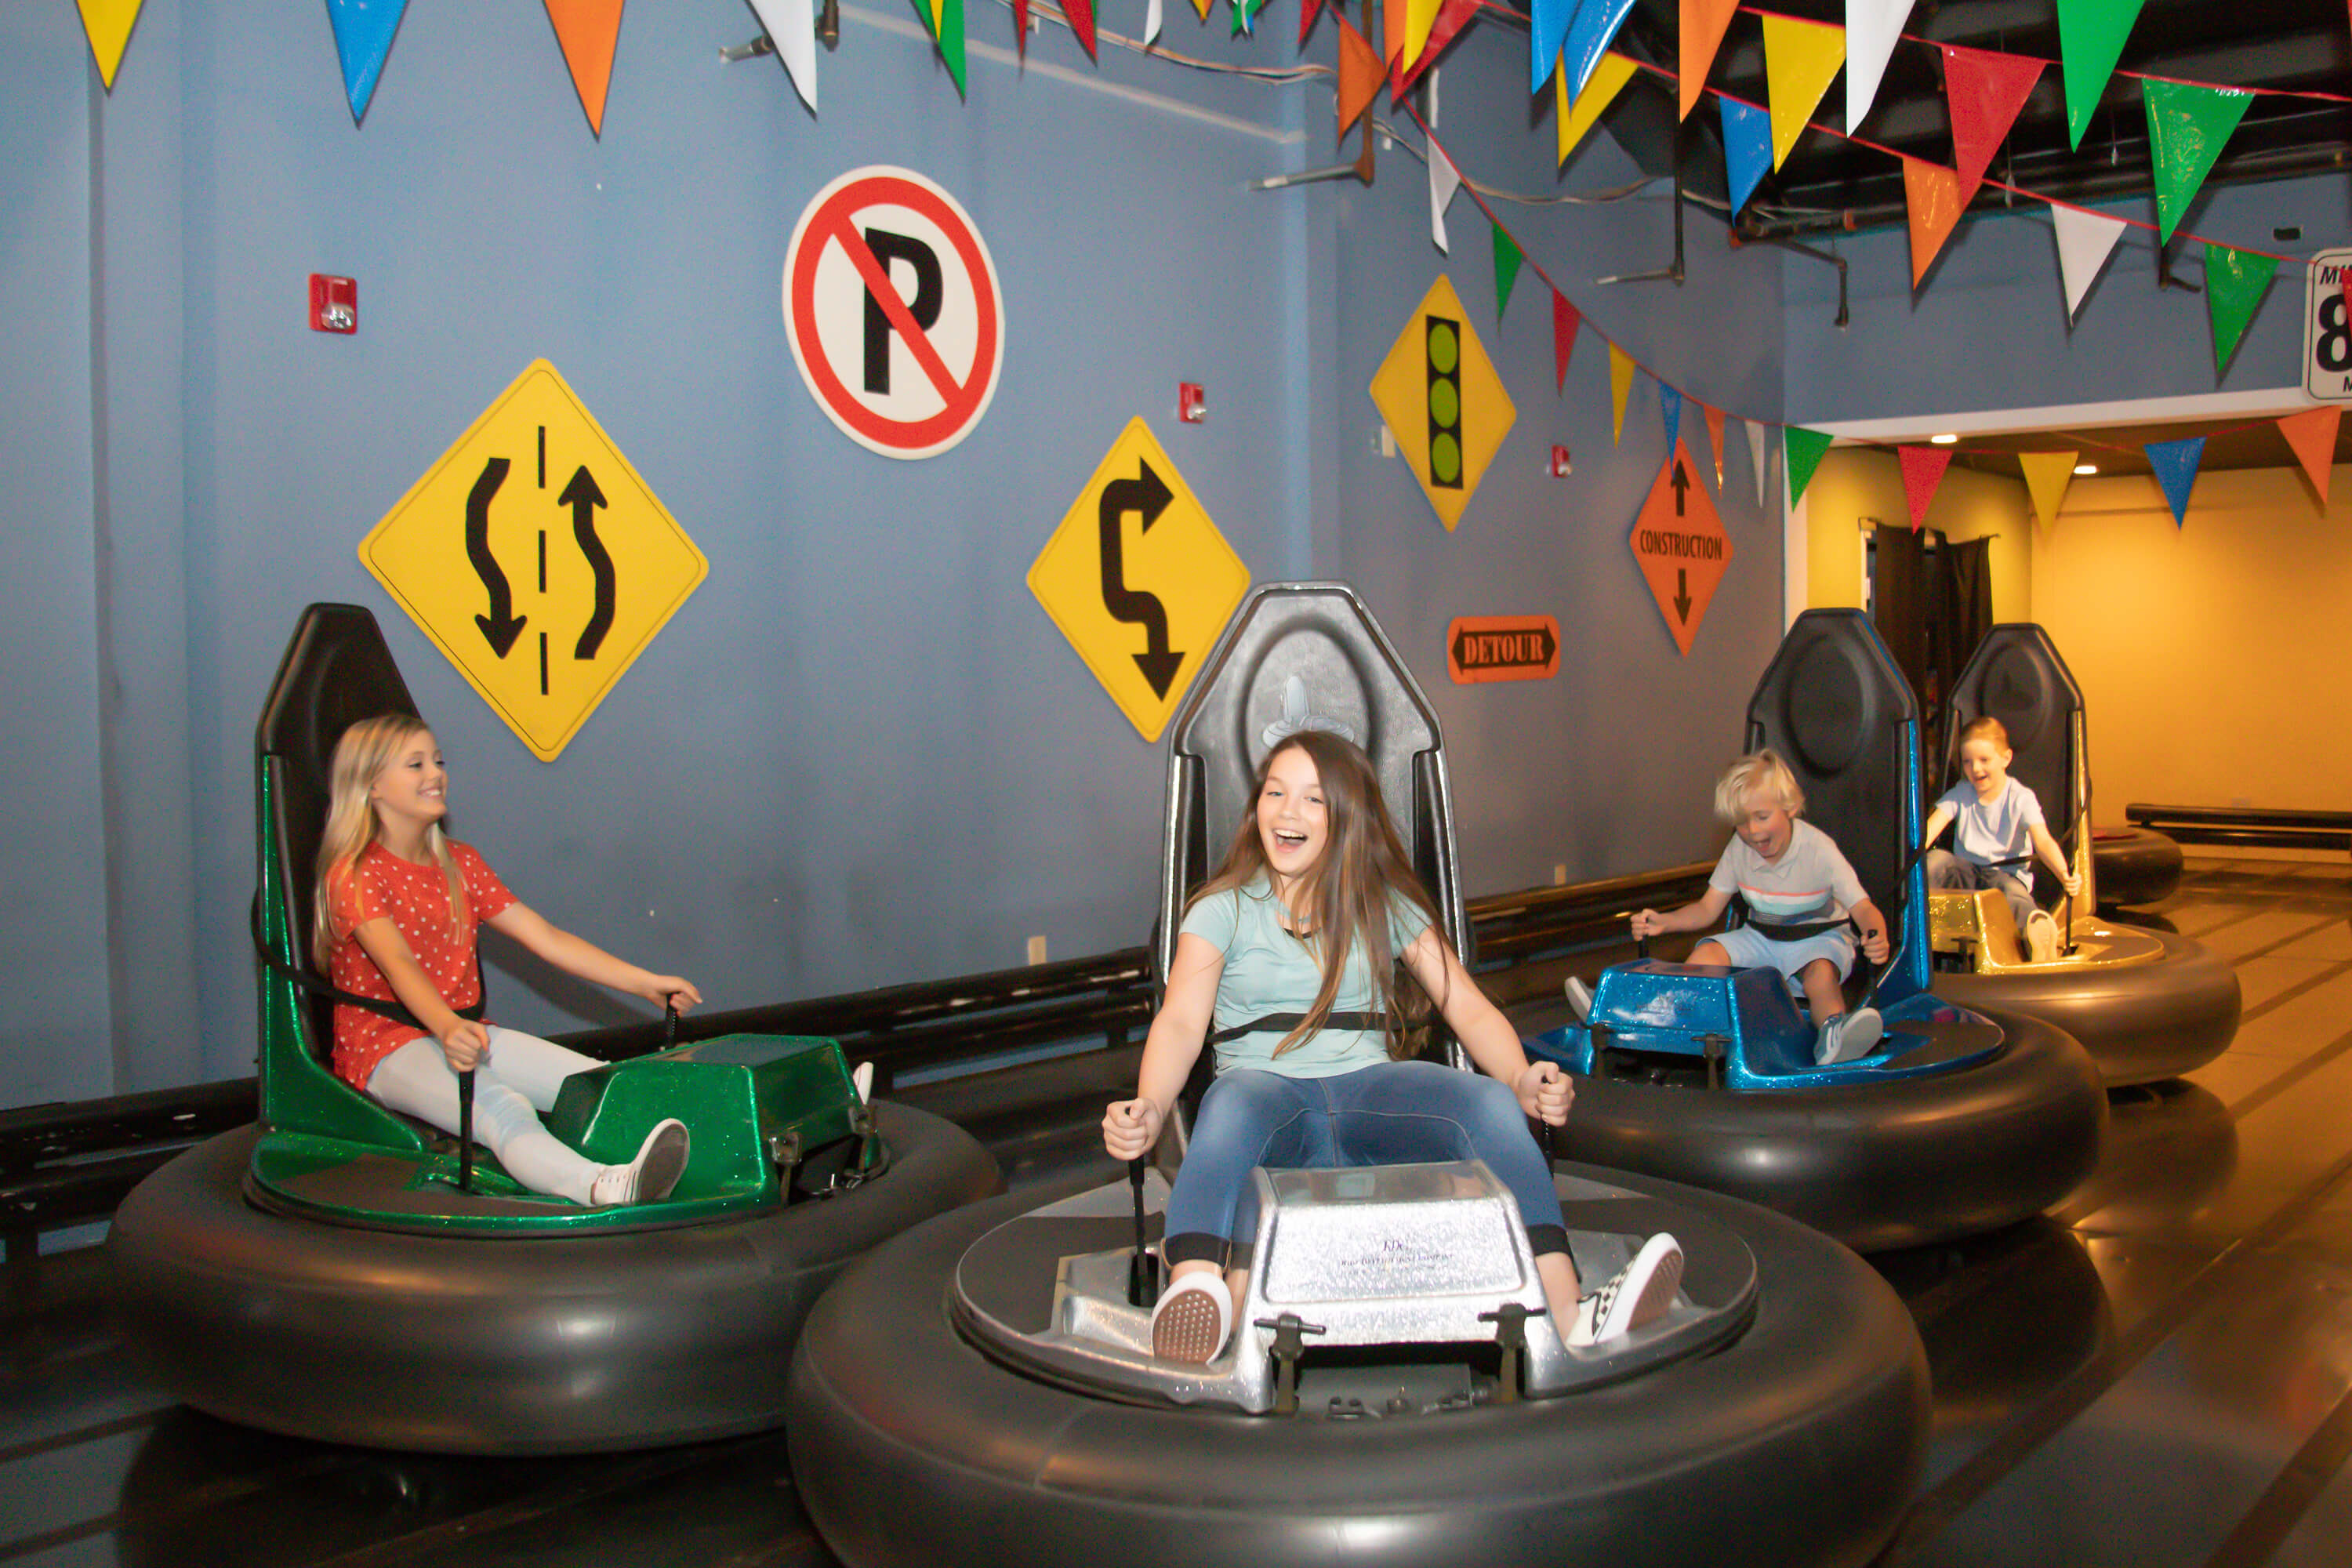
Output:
[[1848, 1037], [2042, 936], [649, 1178], [1640, 1293], [1580, 998], [1193, 1320]]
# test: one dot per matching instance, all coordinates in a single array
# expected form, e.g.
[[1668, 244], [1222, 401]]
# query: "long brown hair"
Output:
[[365, 750], [1347, 895]]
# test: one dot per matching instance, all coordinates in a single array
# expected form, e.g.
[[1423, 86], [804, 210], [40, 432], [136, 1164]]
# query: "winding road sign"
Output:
[[536, 558], [893, 312], [1139, 579], [1680, 544]]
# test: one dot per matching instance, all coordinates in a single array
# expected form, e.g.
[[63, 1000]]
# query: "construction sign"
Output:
[[1680, 543], [1442, 401], [1502, 648], [536, 558], [1139, 580]]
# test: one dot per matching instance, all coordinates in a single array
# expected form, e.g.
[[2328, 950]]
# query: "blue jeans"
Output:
[[1946, 869], [1391, 1113]]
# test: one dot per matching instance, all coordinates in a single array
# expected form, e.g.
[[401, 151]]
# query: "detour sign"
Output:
[[1681, 547], [1502, 648]]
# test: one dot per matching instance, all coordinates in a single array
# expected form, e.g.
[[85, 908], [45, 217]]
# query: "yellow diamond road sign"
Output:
[[1441, 398], [1139, 580], [534, 556]]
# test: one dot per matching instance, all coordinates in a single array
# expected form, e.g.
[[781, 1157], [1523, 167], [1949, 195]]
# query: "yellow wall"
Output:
[[2209, 654], [1855, 482]]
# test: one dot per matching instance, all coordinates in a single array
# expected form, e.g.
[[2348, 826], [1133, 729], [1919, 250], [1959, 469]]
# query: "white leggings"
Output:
[[517, 1079]]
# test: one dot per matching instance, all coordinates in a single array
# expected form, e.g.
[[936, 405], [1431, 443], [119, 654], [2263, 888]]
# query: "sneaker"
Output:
[[649, 1178], [1847, 1037], [1639, 1294], [2042, 936], [1580, 998], [1192, 1320]]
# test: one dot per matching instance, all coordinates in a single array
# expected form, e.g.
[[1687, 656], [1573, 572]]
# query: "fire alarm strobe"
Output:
[[334, 304]]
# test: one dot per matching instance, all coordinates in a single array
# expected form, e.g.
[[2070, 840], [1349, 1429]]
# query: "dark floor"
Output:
[[2159, 1374]]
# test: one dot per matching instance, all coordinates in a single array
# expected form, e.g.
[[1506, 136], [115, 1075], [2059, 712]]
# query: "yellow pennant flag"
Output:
[[1609, 79], [2047, 475], [1621, 388], [1200, 6], [1800, 59], [108, 24], [1420, 15]]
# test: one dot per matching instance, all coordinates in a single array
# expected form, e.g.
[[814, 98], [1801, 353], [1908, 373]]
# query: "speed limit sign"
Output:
[[2327, 330]]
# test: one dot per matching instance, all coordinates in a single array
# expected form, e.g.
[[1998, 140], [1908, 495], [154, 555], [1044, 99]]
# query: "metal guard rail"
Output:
[[2246, 826]]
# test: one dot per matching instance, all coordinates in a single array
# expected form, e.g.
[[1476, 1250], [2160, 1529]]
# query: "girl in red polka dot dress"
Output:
[[398, 906]]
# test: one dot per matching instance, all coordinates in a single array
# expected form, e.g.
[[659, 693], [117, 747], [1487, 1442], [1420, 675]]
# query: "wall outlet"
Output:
[[1036, 949]]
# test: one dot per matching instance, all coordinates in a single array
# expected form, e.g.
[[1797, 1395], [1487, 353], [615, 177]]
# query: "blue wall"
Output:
[[860, 754]]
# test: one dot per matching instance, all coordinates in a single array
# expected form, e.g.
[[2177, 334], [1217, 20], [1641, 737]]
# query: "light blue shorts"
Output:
[[1751, 949]]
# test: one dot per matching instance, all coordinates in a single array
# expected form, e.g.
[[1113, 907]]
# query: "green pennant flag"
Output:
[[947, 32], [2235, 282], [2187, 126], [1245, 15], [1507, 270], [2091, 34], [1804, 449]]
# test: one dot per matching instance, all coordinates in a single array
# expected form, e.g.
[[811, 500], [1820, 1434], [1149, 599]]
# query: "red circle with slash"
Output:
[[830, 312]]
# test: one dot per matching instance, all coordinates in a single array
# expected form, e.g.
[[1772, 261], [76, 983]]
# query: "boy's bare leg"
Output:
[[1820, 979]]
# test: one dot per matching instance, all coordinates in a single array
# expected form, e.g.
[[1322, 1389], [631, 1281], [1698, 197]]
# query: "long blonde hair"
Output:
[[365, 750], [1347, 896]]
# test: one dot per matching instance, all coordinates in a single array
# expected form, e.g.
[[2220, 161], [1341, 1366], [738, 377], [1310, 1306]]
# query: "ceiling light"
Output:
[[2081, 469], [1944, 440]]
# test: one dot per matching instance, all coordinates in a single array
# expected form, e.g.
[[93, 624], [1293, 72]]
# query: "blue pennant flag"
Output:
[[1589, 38], [2175, 463], [363, 30], [1747, 148], [1670, 404], [1547, 22]]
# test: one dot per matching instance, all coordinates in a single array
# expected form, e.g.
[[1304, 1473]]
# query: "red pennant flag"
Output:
[[1933, 193], [1715, 438], [1021, 27], [1081, 14], [2312, 434], [1986, 91], [1307, 15], [1359, 73], [1565, 318], [1453, 16], [1923, 472]]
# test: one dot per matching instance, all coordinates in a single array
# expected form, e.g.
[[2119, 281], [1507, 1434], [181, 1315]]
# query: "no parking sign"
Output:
[[892, 308]]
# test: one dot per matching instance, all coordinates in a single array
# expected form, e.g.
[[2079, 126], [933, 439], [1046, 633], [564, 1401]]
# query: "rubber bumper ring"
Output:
[[2134, 866], [2141, 1022]]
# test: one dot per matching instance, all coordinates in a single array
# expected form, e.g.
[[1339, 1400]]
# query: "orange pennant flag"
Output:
[[2047, 475], [589, 30], [1933, 193], [1394, 24], [1359, 72], [2312, 434], [1715, 438], [1704, 24]]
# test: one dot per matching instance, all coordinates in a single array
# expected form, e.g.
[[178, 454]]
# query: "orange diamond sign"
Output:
[[1680, 543]]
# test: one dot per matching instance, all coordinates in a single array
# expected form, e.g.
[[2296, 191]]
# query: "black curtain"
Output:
[[1960, 604], [1900, 596]]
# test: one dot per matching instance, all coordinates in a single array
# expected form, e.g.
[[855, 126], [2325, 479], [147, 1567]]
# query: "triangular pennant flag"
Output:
[[107, 25], [1803, 450], [1621, 388], [590, 31], [1588, 36], [1547, 23], [1799, 59], [1565, 318], [1715, 438], [1872, 28], [363, 38], [1359, 73], [1670, 404], [1923, 474], [946, 20], [1153, 20], [2312, 435], [1444, 181], [1307, 15], [1704, 22], [1203, 7], [1392, 25], [2085, 240], [1576, 118], [1081, 14], [2091, 34], [1420, 15], [1933, 194], [790, 25], [1244, 17], [2187, 127], [1746, 147], [1757, 458], [2175, 463], [1507, 269], [2235, 282], [2047, 475], [1985, 91], [1453, 16]]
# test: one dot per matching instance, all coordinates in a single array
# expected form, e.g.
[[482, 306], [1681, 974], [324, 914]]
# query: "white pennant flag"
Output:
[[1151, 23], [1755, 454], [2085, 240], [1872, 28], [1444, 181], [790, 25]]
